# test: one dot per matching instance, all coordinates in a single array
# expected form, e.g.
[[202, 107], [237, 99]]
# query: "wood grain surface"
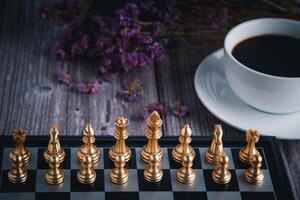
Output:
[[31, 98]]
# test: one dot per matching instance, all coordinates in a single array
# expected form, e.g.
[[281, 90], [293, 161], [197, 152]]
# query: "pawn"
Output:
[[86, 175], [222, 175], [254, 175], [216, 150], [186, 174], [54, 175], [245, 154], [154, 172], [119, 174], [184, 147], [17, 173]]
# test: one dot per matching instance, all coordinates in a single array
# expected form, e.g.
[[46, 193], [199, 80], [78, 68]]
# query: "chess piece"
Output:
[[54, 175], [153, 133], [119, 174], [222, 175], [120, 135], [184, 147], [254, 175], [186, 174], [86, 175], [154, 173], [88, 147], [17, 173], [54, 147], [245, 154], [19, 137], [216, 150]]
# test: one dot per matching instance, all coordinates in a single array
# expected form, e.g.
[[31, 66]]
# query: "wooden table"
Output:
[[30, 96]]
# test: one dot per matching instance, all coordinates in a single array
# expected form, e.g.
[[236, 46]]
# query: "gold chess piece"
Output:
[[19, 137], [186, 174], [119, 174], [120, 135], [88, 147], [222, 175], [153, 133], [86, 174], [54, 175], [245, 154], [154, 172], [254, 175], [216, 150], [54, 147], [17, 173], [184, 147]]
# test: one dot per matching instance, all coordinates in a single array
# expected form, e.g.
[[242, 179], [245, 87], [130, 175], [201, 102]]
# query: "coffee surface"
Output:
[[276, 55]]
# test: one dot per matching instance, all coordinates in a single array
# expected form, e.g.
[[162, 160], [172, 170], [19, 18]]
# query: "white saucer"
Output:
[[216, 95]]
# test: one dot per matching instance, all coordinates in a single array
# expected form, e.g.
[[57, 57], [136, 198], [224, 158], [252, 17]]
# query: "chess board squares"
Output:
[[224, 196], [42, 186], [42, 164], [189, 195], [51, 196], [75, 164], [131, 185], [198, 185], [18, 196], [98, 185], [142, 165], [240, 165], [108, 164], [156, 195], [266, 185], [121, 195], [87, 196], [176, 165], [213, 186], [206, 165], [6, 161], [27, 186], [258, 196], [164, 185]]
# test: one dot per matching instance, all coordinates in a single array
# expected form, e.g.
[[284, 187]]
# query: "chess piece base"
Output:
[[244, 157], [221, 178], [211, 158], [86, 178], [113, 154], [26, 155], [60, 155], [54, 178], [153, 176], [95, 154], [15, 177], [119, 176], [145, 155], [186, 177], [177, 152], [254, 178]]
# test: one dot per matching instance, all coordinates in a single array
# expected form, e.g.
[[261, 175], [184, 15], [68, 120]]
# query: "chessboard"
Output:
[[275, 185]]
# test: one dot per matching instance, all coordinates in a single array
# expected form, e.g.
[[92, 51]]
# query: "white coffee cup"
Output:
[[265, 92]]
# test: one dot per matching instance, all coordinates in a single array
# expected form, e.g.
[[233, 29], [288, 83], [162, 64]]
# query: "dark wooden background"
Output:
[[31, 98]]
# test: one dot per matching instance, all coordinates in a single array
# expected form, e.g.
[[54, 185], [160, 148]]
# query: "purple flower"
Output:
[[180, 110], [131, 91], [91, 87], [64, 77], [104, 132], [218, 20], [80, 46], [156, 50], [141, 116], [160, 108]]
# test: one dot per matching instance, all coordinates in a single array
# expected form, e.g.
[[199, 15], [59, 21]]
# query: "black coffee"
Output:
[[276, 55]]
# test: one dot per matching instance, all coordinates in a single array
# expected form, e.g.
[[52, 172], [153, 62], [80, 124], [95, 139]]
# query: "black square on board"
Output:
[[189, 195], [240, 165], [258, 195], [52, 196], [97, 186], [42, 164], [27, 186], [122, 195], [175, 165], [164, 185], [108, 164], [213, 186]]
